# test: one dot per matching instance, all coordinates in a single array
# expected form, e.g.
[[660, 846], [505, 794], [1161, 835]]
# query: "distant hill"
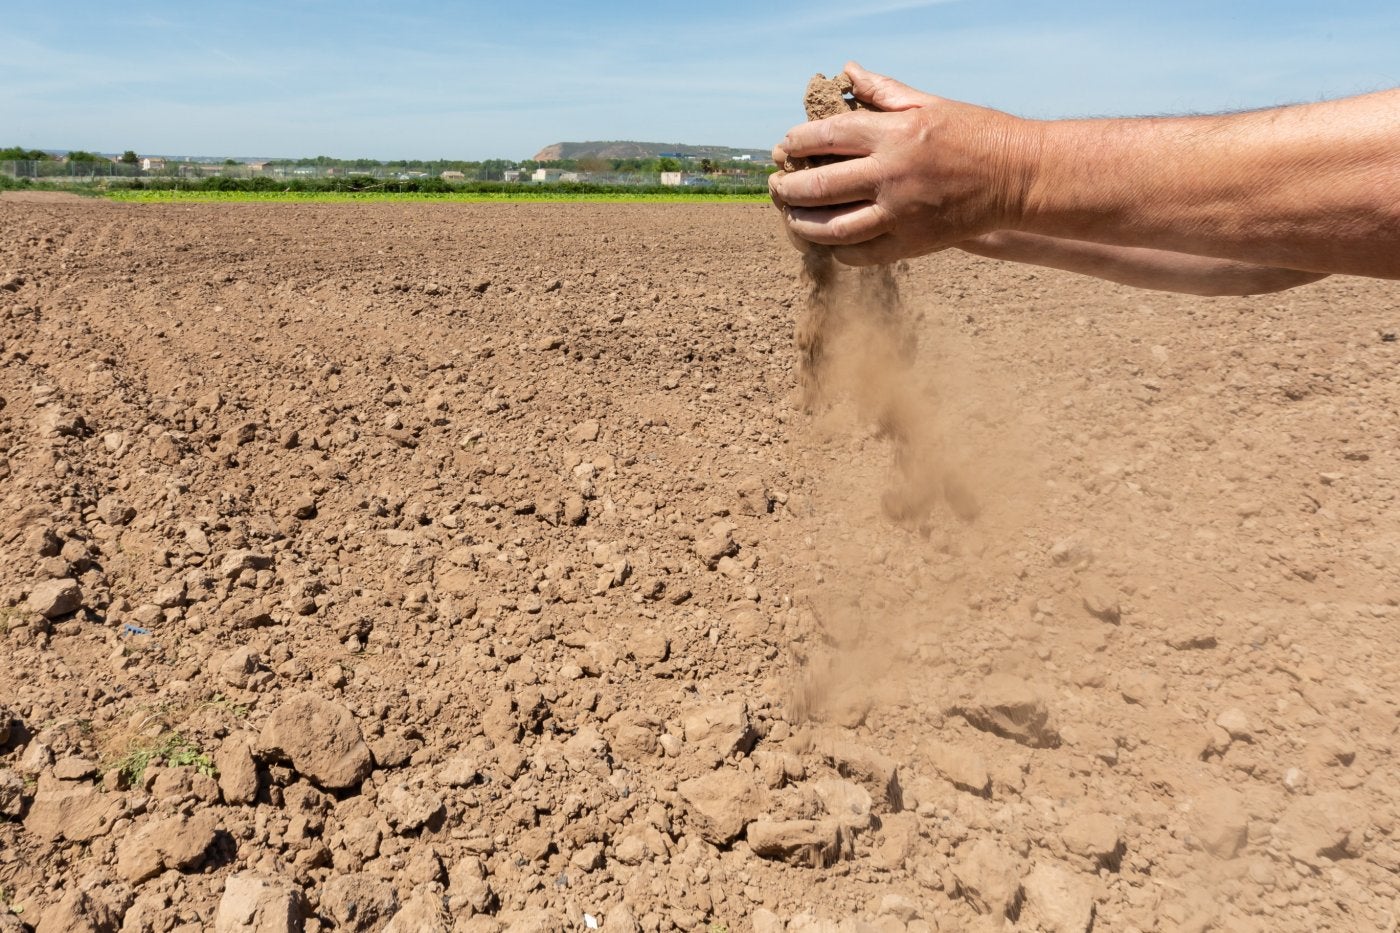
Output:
[[628, 149]]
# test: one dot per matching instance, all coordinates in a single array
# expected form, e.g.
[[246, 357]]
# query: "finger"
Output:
[[853, 133], [837, 183], [774, 181], [779, 156], [840, 226], [884, 93], [880, 251]]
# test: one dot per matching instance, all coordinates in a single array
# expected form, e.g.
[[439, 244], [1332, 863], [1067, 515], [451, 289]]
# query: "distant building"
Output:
[[671, 178], [512, 174], [258, 167], [547, 174], [453, 176], [152, 165]]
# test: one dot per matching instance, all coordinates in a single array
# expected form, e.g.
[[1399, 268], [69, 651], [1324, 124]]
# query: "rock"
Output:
[[585, 432], [79, 911], [11, 795], [8, 721], [720, 804], [751, 497], [1236, 723], [847, 803], [468, 886], [392, 751], [1057, 900], [236, 562], [1326, 828], [178, 842], [575, 510], [764, 920], [1008, 706], [54, 598], [425, 911], [358, 902], [1101, 601], [114, 511], [1094, 836], [461, 771], [251, 904], [724, 726], [814, 843], [408, 809], [72, 810], [238, 772], [1142, 688], [963, 768], [1190, 637], [988, 878], [241, 664], [1220, 823], [715, 543], [74, 768], [320, 739], [875, 772]]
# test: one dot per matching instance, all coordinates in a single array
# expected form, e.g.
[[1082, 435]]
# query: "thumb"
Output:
[[884, 93]]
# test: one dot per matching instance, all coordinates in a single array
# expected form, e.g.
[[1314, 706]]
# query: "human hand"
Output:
[[925, 173]]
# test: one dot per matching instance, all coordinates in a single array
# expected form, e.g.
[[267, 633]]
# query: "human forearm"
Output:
[[1138, 267], [1313, 187]]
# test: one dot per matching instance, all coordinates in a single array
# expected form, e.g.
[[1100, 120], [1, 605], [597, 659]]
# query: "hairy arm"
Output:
[[1314, 187], [1141, 268]]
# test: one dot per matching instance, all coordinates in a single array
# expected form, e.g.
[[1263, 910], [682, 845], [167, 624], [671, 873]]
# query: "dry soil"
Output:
[[474, 568]]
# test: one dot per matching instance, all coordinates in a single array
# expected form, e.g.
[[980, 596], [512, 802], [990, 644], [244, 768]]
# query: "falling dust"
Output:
[[883, 577]]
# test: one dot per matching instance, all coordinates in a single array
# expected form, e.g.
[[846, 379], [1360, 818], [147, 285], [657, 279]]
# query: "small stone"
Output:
[[575, 510], [408, 809], [178, 842], [963, 768], [460, 771], [1101, 601], [320, 738], [251, 904], [720, 804], [114, 511], [1008, 706], [74, 768], [1096, 837], [425, 911], [54, 598], [1236, 723], [585, 432], [11, 795], [238, 772], [1057, 900], [813, 843], [72, 810], [79, 911], [724, 726], [1220, 823], [1324, 828], [987, 877], [358, 902]]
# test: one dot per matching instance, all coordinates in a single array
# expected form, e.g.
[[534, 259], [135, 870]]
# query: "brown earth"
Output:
[[473, 568]]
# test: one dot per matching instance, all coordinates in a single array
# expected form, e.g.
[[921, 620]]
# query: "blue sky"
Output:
[[422, 79]]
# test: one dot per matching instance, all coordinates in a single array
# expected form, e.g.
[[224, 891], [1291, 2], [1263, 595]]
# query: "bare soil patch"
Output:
[[475, 567]]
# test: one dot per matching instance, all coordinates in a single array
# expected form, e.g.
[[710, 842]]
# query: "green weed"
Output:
[[172, 748]]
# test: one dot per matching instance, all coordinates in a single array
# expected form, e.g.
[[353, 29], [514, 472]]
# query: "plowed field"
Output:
[[474, 567]]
